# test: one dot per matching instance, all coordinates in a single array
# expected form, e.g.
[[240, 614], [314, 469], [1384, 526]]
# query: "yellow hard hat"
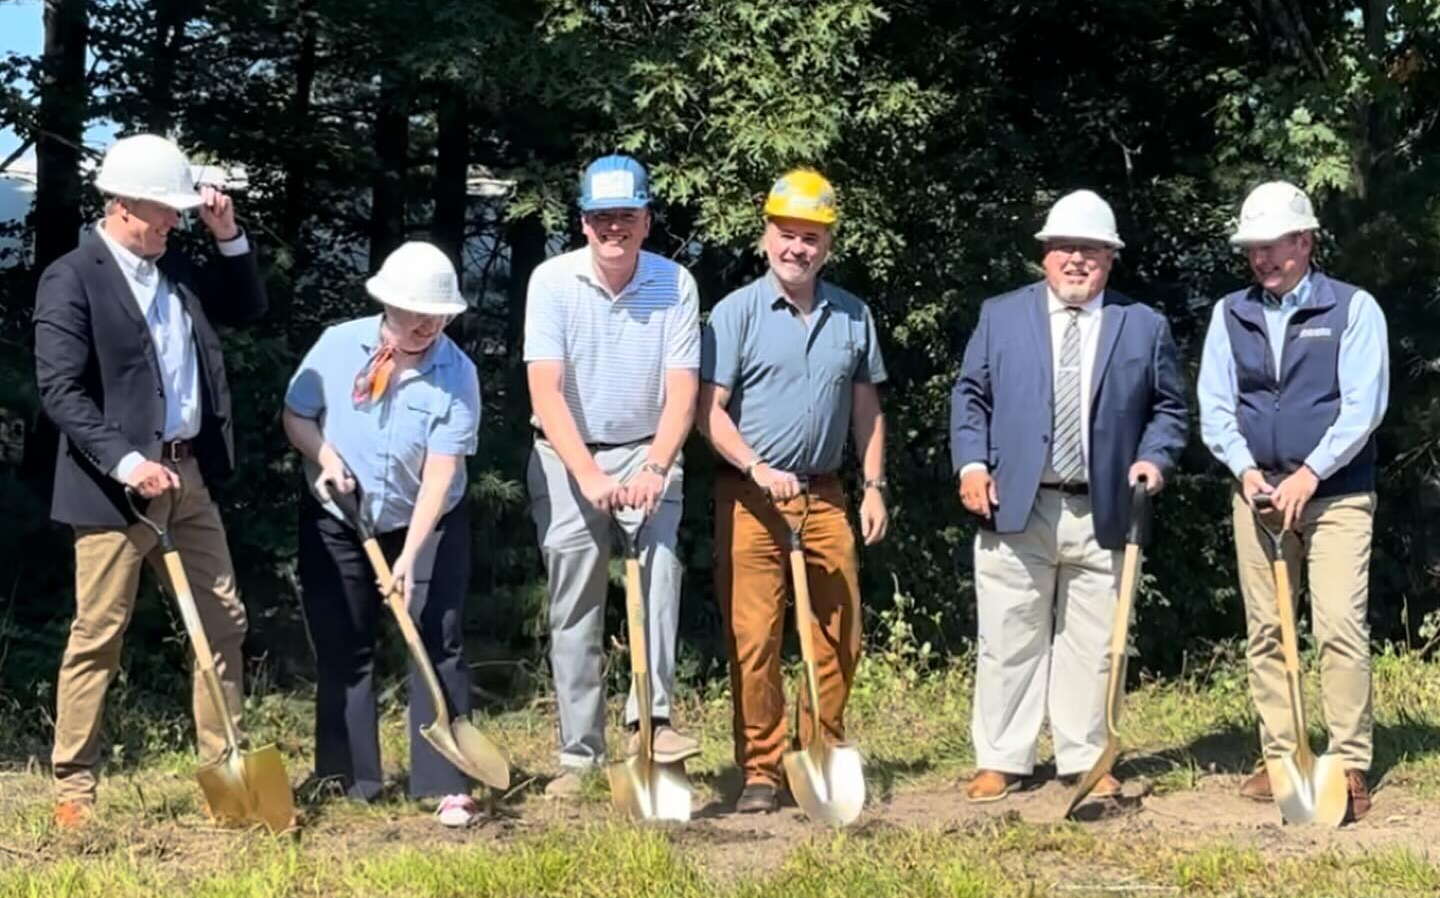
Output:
[[805, 194]]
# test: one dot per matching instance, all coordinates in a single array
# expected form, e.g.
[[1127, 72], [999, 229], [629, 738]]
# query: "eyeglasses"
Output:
[[1090, 252], [609, 217]]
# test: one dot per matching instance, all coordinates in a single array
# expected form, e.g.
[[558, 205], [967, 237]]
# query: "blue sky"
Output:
[[22, 31]]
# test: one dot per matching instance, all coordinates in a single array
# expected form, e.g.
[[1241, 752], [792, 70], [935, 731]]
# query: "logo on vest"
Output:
[[1315, 332]]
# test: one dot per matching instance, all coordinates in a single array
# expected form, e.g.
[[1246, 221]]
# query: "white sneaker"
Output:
[[457, 811]]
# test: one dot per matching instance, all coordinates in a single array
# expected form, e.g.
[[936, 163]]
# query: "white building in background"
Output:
[[17, 194]]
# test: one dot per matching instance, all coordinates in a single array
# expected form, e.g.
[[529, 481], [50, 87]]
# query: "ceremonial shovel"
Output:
[[639, 786], [1135, 543], [828, 781], [459, 741], [1307, 789], [238, 786]]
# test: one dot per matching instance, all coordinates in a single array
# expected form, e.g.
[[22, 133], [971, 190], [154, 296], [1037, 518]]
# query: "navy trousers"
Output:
[[343, 608]]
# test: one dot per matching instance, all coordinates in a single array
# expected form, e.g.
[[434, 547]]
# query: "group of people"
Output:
[[1068, 394]]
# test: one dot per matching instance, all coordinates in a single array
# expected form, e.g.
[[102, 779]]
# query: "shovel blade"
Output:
[[1332, 791], [649, 791], [249, 787], [828, 783], [1293, 785], [271, 799], [462, 744]]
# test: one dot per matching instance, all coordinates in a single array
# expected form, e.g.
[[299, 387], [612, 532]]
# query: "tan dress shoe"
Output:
[[990, 785], [1257, 787], [1359, 795], [1107, 787]]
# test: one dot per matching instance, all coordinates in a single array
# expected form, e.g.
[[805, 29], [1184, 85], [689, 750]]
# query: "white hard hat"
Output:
[[1273, 210], [418, 277], [1081, 215], [146, 167]]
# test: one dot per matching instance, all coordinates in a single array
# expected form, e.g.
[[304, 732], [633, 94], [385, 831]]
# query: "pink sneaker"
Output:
[[457, 811]]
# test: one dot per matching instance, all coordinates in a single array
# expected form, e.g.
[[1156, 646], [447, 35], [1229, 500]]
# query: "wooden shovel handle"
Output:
[[204, 656], [395, 599]]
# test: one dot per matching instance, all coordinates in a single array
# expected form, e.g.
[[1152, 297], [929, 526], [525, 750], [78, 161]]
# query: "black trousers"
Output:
[[343, 606]]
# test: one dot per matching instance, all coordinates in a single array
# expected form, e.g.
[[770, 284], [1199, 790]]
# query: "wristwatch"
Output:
[[879, 483], [654, 468], [750, 468]]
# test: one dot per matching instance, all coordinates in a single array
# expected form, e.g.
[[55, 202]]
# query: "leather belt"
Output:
[[1069, 489], [176, 450]]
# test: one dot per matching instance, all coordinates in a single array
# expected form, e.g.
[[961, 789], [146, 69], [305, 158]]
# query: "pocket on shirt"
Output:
[[419, 418]]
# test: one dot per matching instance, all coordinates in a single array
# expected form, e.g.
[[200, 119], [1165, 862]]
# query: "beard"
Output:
[[1072, 294]]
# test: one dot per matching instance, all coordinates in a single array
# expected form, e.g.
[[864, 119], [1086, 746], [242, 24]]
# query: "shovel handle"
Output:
[[395, 600], [805, 624], [1140, 513], [204, 656]]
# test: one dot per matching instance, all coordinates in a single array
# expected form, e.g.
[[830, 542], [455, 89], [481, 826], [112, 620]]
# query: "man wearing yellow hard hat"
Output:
[[789, 364]]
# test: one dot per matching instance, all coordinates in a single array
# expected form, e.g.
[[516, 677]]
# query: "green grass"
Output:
[[151, 839]]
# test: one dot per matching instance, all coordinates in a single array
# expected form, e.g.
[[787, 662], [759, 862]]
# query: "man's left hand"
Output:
[[874, 518], [1154, 480], [643, 491], [1292, 494], [218, 213], [402, 577]]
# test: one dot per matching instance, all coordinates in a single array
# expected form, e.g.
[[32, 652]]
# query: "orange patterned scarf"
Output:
[[371, 382]]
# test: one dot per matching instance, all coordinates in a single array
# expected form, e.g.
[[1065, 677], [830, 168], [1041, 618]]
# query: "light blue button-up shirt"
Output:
[[173, 335], [1363, 371], [433, 407], [791, 382]]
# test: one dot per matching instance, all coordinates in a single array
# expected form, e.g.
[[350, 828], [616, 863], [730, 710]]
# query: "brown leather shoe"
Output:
[[1107, 787], [1257, 787], [77, 814], [990, 785], [1359, 795]]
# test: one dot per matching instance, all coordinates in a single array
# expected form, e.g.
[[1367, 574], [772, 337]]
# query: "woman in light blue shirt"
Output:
[[391, 404]]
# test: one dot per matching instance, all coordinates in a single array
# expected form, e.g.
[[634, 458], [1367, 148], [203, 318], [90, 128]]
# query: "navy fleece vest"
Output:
[[1283, 420]]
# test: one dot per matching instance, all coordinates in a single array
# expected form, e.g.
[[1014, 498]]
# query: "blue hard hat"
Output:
[[614, 182]]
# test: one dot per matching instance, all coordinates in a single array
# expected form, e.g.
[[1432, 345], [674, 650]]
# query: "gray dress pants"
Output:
[[576, 540]]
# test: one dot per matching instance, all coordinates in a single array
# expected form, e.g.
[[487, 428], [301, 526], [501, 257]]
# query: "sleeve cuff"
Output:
[[1240, 461], [1322, 463], [126, 466], [970, 467], [238, 245]]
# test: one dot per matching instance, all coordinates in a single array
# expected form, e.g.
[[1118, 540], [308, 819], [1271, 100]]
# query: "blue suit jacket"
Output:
[[1000, 409]]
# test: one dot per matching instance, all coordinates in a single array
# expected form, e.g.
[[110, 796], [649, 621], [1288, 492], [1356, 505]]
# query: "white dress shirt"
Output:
[[173, 334], [1089, 324]]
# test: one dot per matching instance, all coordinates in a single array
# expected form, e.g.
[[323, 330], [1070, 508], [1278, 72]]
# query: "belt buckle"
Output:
[[173, 455]]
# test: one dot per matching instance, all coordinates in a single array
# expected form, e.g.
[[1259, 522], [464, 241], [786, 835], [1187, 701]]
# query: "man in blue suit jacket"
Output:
[[1067, 395]]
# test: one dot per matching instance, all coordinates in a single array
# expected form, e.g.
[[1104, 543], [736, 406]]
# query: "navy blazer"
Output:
[[1000, 409], [99, 376]]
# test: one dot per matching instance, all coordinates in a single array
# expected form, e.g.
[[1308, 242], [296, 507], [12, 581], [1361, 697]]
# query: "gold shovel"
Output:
[[458, 741], [639, 786], [1138, 537], [239, 786], [828, 781], [1307, 789]]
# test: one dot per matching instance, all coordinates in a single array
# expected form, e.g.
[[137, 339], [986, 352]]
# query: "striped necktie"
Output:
[[1068, 457]]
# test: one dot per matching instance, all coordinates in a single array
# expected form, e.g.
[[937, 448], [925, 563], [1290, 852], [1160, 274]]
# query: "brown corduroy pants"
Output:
[[752, 573]]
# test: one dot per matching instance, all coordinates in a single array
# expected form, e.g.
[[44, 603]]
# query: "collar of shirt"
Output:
[[1087, 308], [136, 269], [780, 300], [430, 359], [585, 271], [1297, 297]]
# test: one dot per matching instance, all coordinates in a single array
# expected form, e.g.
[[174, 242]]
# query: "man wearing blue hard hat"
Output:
[[612, 350]]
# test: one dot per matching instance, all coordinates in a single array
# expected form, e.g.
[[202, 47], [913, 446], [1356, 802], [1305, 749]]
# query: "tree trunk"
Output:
[[63, 102], [392, 147], [299, 166], [170, 19], [527, 250], [451, 164]]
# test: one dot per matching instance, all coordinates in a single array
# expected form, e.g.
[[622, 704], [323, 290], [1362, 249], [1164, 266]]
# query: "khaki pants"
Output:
[[752, 552], [1045, 605], [1335, 544], [107, 577]]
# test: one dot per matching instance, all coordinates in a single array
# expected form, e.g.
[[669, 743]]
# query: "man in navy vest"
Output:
[[1293, 383]]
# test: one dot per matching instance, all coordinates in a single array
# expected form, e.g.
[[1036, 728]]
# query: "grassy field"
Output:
[[1179, 832]]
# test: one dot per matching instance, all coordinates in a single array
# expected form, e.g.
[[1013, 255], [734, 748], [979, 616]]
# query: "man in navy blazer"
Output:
[[1067, 395]]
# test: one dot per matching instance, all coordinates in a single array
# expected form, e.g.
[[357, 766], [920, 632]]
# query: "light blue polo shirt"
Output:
[[791, 385], [433, 407]]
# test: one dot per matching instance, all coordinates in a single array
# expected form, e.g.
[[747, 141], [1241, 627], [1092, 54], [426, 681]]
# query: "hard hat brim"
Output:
[[1253, 236], [382, 293], [619, 202], [180, 202], [1109, 240]]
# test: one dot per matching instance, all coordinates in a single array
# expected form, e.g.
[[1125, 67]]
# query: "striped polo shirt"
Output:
[[616, 350]]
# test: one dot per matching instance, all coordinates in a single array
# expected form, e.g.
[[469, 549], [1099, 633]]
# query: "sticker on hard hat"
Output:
[[610, 185]]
